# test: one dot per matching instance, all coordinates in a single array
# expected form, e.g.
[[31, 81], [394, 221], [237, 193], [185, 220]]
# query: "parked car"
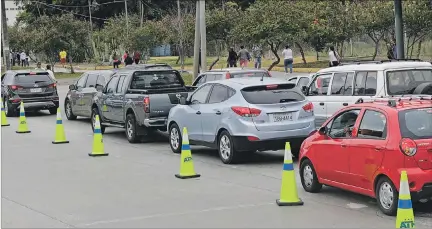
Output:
[[159, 66], [229, 73], [139, 101], [79, 99], [364, 147], [241, 116], [334, 88], [35, 88], [301, 81]]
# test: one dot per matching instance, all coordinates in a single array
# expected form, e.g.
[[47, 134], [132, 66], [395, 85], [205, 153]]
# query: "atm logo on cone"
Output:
[[187, 159], [407, 224]]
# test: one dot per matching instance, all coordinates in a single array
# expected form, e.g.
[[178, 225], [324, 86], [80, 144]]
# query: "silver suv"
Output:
[[228, 73]]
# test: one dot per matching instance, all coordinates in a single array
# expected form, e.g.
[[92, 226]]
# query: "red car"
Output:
[[364, 147]]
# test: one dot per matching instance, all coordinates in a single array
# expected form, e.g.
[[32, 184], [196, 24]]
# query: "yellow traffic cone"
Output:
[[288, 193], [60, 136], [4, 121], [187, 169], [98, 146], [22, 126], [405, 213]]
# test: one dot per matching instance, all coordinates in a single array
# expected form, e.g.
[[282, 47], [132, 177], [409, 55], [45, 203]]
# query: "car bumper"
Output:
[[34, 104], [424, 193], [242, 143], [160, 122], [420, 182]]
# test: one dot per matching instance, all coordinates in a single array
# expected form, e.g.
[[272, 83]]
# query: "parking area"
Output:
[[46, 185]]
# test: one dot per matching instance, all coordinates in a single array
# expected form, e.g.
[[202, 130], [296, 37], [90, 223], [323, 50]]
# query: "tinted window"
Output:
[[348, 89], [406, 81], [81, 82], [292, 80], [112, 85], [365, 83], [144, 80], [338, 83], [342, 124], [91, 80], [218, 94], [32, 79], [373, 125], [120, 84], [249, 74], [104, 77], [416, 123], [200, 96], [161, 67], [303, 81], [320, 85], [211, 77], [283, 93]]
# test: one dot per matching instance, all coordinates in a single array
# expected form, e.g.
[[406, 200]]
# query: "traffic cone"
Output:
[[22, 126], [186, 163], [60, 136], [288, 193], [405, 213], [4, 121], [98, 146]]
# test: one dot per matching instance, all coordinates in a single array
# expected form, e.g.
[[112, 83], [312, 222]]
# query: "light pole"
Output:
[[197, 41], [203, 36], [400, 52], [127, 20], [5, 37]]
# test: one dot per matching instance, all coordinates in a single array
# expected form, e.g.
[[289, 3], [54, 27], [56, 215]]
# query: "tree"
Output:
[[418, 21]]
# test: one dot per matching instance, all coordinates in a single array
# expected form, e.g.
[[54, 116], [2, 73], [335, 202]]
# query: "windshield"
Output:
[[249, 74], [406, 81], [416, 123], [32, 79], [145, 80]]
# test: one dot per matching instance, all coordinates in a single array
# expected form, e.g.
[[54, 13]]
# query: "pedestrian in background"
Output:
[[125, 55], [257, 52], [244, 57], [39, 66], [115, 60], [12, 57], [50, 72], [334, 57], [23, 57], [18, 58], [63, 55], [232, 58], [128, 60], [136, 57], [287, 53]]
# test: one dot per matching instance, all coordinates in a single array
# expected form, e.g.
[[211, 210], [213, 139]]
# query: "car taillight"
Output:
[[227, 75], [408, 146], [53, 85], [246, 111], [252, 138], [273, 86], [147, 105], [308, 107], [15, 87]]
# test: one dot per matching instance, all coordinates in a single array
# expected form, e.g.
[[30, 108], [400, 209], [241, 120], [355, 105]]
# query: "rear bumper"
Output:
[[420, 182], [424, 193], [242, 143], [159, 122], [36, 104]]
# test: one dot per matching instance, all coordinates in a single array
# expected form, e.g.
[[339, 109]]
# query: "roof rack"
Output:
[[392, 101], [396, 60], [375, 61]]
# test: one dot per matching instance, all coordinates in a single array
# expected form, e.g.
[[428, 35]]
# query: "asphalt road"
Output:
[[46, 185]]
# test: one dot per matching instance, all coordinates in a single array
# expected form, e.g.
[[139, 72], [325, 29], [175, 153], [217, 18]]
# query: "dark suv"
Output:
[[36, 89]]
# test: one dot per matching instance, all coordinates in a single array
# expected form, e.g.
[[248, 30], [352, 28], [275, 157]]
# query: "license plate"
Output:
[[280, 117], [35, 89]]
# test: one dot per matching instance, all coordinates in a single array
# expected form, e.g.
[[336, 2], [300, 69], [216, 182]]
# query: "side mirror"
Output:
[[72, 87], [323, 130], [99, 87]]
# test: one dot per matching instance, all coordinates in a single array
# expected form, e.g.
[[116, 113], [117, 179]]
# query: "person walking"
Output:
[[125, 55], [115, 60], [334, 58], [63, 55], [244, 57], [39, 66], [287, 53], [23, 57], [136, 57], [50, 72], [128, 60], [257, 52], [232, 58], [12, 57]]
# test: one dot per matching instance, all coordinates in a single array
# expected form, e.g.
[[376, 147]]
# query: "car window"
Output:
[[32, 79], [200, 80], [91, 80], [303, 81], [218, 94], [159, 67], [365, 83], [148, 79], [120, 84], [348, 89], [103, 78], [406, 81], [293, 80], [373, 125], [416, 123], [271, 94], [342, 124], [200, 96], [338, 83], [82, 81], [112, 85], [320, 85], [212, 77], [249, 74]]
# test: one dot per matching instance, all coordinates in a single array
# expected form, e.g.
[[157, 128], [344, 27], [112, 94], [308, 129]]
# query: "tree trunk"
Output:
[[218, 50], [419, 49], [376, 50], [178, 59], [274, 50], [317, 56], [341, 49], [70, 63], [301, 52]]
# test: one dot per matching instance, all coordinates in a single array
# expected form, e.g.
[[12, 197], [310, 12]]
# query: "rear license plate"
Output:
[[280, 117], [35, 89]]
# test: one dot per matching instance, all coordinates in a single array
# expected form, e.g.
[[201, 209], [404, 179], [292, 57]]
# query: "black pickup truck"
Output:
[[139, 101]]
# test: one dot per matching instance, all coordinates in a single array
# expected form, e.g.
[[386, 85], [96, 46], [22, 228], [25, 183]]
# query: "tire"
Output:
[[8, 109], [387, 204], [175, 138], [309, 178], [53, 110], [95, 112], [130, 129], [68, 110], [226, 149]]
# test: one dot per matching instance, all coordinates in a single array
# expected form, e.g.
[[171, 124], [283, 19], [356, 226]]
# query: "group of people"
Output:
[[19, 58], [126, 59]]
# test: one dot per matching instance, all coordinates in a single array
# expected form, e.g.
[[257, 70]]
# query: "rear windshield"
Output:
[[406, 81], [145, 80], [32, 79], [159, 67], [416, 123], [269, 94], [249, 74]]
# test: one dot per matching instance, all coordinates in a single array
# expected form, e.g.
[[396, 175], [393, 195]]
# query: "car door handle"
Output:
[[321, 104], [198, 112], [345, 104], [218, 112], [378, 148], [343, 145]]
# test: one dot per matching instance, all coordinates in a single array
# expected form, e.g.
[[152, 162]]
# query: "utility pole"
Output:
[[91, 23], [399, 31], [203, 36], [181, 35], [5, 36], [127, 19], [197, 41], [142, 14]]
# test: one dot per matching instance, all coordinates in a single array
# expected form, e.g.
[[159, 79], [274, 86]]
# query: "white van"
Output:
[[333, 88]]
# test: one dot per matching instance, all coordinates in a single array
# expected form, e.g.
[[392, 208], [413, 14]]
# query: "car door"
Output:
[[118, 100], [108, 96], [317, 94], [192, 119], [87, 94], [200, 80], [366, 85], [213, 111], [77, 95], [367, 148], [333, 152], [303, 81], [341, 89]]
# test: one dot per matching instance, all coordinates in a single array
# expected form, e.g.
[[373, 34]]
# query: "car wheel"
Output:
[[130, 129], [53, 110], [68, 110], [309, 178], [387, 196], [226, 149], [9, 111], [175, 138], [95, 112]]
